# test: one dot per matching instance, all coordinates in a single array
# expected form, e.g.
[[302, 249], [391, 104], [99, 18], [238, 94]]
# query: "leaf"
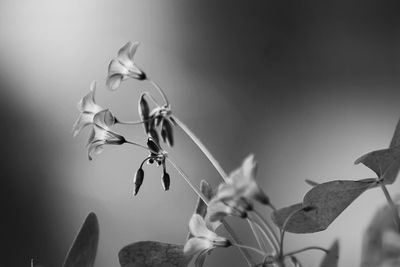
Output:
[[396, 136], [327, 201], [300, 222], [331, 259], [385, 163], [84, 248], [381, 240], [201, 207], [152, 254]]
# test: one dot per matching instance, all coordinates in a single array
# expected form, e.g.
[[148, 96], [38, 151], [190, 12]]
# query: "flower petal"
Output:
[[114, 81], [95, 148], [104, 119], [87, 103], [195, 245], [198, 228], [124, 52], [133, 49], [83, 120]]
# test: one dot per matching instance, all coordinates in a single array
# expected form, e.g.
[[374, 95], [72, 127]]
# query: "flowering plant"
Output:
[[236, 195]]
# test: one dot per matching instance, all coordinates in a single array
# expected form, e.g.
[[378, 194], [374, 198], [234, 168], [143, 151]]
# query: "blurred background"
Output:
[[307, 86]]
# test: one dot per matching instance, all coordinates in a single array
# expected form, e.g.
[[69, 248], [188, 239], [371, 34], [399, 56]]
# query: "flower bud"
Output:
[[167, 132], [138, 180], [144, 112], [154, 135], [152, 145], [165, 181]]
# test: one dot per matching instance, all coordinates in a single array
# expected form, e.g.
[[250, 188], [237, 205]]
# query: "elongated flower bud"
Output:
[[138, 180], [167, 132], [152, 145], [144, 112], [165, 180]]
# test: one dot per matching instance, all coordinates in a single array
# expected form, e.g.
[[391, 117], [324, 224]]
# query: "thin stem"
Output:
[[285, 223], [146, 159], [267, 227], [306, 249], [194, 188], [253, 229], [249, 248], [160, 91], [202, 147], [151, 98], [236, 240], [129, 122], [391, 205], [139, 145], [268, 238]]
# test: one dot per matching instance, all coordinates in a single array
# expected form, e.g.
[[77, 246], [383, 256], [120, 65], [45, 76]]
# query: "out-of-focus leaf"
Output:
[[152, 254], [381, 241], [396, 136], [385, 163], [322, 204], [84, 248], [201, 207], [332, 258]]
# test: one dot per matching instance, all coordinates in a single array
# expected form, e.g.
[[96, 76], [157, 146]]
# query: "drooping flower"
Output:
[[123, 67], [241, 183], [203, 241], [234, 197], [101, 134], [88, 108]]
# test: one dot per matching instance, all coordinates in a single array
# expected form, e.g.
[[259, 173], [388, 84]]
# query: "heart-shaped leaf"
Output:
[[385, 163], [301, 220], [152, 254], [331, 259], [84, 248], [321, 205]]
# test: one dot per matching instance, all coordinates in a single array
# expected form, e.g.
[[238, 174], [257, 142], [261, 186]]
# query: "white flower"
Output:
[[101, 134], [203, 240], [241, 183], [88, 108], [233, 198], [122, 67]]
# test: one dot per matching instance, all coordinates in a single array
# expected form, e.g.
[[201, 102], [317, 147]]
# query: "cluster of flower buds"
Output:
[[153, 119], [156, 155]]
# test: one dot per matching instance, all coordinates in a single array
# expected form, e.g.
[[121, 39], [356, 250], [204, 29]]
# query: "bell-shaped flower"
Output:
[[217, 210], [88, 108], [123, 67], [203, 241], [241, 183], [101, 134]]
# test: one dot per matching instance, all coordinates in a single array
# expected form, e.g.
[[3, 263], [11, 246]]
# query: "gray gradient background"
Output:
[[306, 86]]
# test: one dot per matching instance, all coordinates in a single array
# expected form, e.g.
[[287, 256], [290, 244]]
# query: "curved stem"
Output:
[[160, 91], [262, 253], [391, 205], [139, 145], [268, 228], [244, 253], [202, 147], [253, 229], [129, 122], [284, 230], [306, 249], [186, 178], [268, 238], [151, 98]]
